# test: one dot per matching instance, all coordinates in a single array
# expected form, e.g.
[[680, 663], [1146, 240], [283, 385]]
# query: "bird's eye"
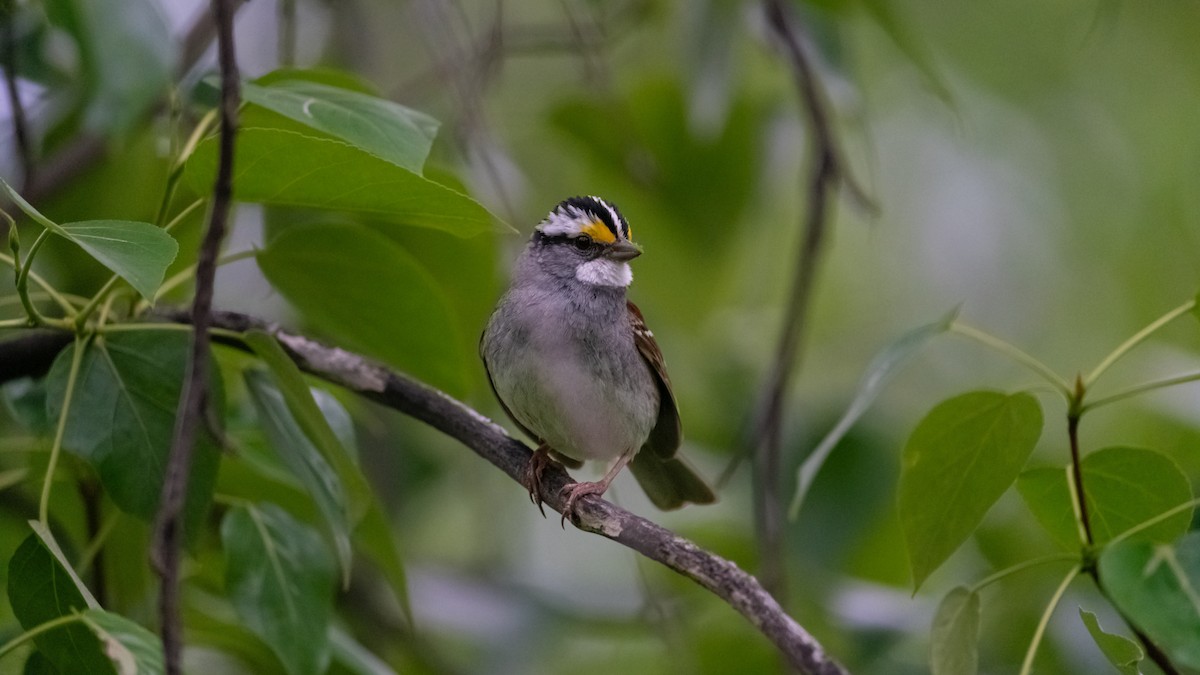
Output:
[[582, 242]]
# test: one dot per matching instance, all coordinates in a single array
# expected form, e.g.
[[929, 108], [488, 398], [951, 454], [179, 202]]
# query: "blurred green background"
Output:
[[1035, 164]]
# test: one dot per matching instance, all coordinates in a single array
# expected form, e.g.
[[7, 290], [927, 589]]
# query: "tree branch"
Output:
[[488, 440], [723, 578], [168, 527]]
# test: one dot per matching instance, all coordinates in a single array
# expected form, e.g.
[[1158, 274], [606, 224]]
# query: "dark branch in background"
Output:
[[168, 527], [826, 174], [487, 439], [8, 17], [287, 33]]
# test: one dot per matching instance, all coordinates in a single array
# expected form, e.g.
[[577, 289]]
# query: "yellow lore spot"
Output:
[[598, 231]]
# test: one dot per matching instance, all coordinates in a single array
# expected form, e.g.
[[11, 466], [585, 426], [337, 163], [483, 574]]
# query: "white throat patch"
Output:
[[605, 272]]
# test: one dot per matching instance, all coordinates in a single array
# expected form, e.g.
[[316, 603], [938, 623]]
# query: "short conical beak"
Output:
[[623, 250]]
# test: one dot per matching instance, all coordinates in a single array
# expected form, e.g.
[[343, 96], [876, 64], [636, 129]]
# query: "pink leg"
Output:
[[533, 474], [578, 490]]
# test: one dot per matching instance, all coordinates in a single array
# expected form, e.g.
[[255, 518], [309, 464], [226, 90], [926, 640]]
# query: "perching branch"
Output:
[[488, 440], [826, 173], [168, 527]]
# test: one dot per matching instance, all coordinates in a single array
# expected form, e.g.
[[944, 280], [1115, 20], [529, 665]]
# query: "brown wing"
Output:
[[667, 433]]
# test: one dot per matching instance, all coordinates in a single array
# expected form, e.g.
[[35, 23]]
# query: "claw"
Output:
[[577, 491], [533, 475]]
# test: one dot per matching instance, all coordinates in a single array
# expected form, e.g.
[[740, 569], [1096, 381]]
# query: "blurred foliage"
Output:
[[1034, 163]]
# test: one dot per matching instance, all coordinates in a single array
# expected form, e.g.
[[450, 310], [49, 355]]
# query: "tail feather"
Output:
[[669, 482]]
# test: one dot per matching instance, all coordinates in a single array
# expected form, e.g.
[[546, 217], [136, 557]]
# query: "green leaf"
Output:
[[372, 295], [376, 540], [353, 657], [132, 649], [914, 48], [42, 587], [127, 54], [137, 252], [25, 400], [122, 419], [383, 128], [885, 363], [961, 457], [287, 168], [1123, 487], [1157, 586], [955, 635], [1120, 651], [280, 578], [305, 461]]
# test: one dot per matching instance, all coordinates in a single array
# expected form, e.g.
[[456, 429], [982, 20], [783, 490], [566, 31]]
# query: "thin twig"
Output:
[[488, 440], [826, 174], [168, 528]]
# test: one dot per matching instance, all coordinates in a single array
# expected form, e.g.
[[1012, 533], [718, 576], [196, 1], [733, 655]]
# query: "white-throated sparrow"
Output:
[[575, 367]]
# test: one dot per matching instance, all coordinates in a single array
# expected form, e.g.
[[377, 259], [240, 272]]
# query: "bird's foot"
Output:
[[577, 491], [533, 475]]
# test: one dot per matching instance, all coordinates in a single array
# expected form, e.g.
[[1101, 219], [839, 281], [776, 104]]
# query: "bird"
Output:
[[575, 367]]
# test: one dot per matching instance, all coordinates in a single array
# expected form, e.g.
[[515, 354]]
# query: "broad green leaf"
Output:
[[127, 53], [914, 48], [958, 461], [376, 541], [353, 657], [372, 295], [137, 252], [955, 636], [885, 364], [300, 454], [1157, 586], [1120, 651], [280, 577], [287, 168], [43, 587], [383, 128], [25, 400], [132, 649], [1123, 487], [122, 418]]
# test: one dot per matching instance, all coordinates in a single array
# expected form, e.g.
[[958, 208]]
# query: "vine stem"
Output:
[[60, 431], [1011, 351], [1027, 665], [1137, 339]]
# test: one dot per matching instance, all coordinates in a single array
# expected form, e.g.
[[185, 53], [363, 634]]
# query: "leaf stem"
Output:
[[1137, 339], [185, 152], [1141, 389], [1014, 353], [60, 431], [37, 279], [22, 283], [188, 272], [1027, 665], [1020, 567], [38, 630], [1146, 524]]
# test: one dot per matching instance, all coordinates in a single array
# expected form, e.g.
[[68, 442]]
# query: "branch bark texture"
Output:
[[489, 440]]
